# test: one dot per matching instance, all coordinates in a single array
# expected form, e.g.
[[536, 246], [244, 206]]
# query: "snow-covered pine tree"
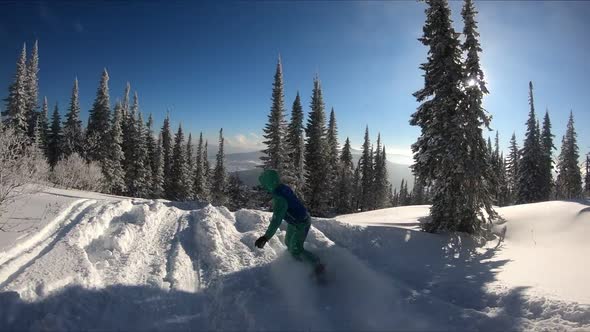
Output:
[[128, 127], [73, 135], [276, 154], [587, 177], [418, 192], [345, 183], [179, 172], [54, 144], [366, 164], [32, 87], [512, 169], [112, 167], [218, 189], [97, 131], [200, 188], [207, 167], [17, 100], [357, 186], [404, 199], [236, 192], [333, 164], [190, 165], [316, 153], [154, 151], [569, 177], [157, 188], [450, 152], [43, 126], [380, 184], [529, 170], [297, 145], [546, 163], [167, 157]]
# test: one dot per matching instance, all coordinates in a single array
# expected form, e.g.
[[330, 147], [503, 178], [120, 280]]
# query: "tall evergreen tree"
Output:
[[380, 184], [569, 177], [43, 127], [512, 169], [546, 180], [200, 188], [180, 186], [316, 151], [128, 127], [236, 192], [333, 164], [207, 165], [73, 135], [54, 144], [32, 87], [587, 178], [357, 187], [190, 162], [529, 170], [167, 157], [450, 151], [366, 164], [297, 144], [276, 154], [112, 166], [154, 150], [97, 131], [218, 190], [17, 100], [345, 183]]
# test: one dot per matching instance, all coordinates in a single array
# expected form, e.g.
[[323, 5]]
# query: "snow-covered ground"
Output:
[[89, 261]]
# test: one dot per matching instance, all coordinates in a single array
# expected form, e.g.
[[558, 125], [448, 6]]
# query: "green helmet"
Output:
[[269, 180]]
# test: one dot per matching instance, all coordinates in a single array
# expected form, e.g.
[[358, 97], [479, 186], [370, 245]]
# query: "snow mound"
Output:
[[157, 265]]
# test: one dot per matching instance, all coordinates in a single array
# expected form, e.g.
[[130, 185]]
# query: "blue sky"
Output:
[[212, 63]]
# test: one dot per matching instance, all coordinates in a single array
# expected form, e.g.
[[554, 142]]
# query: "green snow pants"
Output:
[[296, 235]]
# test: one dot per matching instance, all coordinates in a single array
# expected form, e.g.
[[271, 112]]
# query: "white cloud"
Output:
[[243, 143]]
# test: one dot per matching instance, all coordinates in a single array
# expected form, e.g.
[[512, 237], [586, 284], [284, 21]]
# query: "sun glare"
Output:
[[471, 82]]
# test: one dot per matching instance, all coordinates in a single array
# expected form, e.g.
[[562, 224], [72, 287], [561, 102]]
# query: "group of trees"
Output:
[[463, 175], [117, 141], [310, 160]]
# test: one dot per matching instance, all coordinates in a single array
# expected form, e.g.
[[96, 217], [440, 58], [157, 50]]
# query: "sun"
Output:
[[471, 82]]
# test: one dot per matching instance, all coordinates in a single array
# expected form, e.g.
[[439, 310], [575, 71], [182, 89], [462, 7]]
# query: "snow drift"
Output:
[[112, 263]]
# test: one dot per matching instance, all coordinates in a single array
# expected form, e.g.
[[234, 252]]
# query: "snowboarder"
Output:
[[286, 205]]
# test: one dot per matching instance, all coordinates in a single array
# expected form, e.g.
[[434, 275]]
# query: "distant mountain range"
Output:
[[246, 165]]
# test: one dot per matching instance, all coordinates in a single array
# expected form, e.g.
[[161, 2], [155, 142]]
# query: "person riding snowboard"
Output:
[[286, 205]]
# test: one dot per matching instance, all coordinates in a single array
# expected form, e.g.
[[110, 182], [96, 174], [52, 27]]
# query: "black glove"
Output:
[[261, 242]]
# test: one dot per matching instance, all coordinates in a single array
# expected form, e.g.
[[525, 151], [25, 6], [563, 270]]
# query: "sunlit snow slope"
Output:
[[102, 262]]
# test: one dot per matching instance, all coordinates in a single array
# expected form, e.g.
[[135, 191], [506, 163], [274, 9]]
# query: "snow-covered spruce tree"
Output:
[[73, 135], [418, 192], [43, 127], [316, 152], [366, 164], [276, 154], [32, 87], [179, 176], [546, 163], [112, 167], [529, 170], [127, 126], [297, 144], [200, 184], [167, 156], [512, 169], [207, 166], [154, 153], [380, 184], [236, 192], [17, 100], [97, 131], [404, 198], [450, 152], [54, 144], [357, 187], [333, 164], [190, 162], [587, 177], [157, 162], [218, 189], [137, 173], [345, 182], [569, 177]]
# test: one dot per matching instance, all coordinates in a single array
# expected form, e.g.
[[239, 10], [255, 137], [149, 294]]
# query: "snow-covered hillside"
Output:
[[91, 261]]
